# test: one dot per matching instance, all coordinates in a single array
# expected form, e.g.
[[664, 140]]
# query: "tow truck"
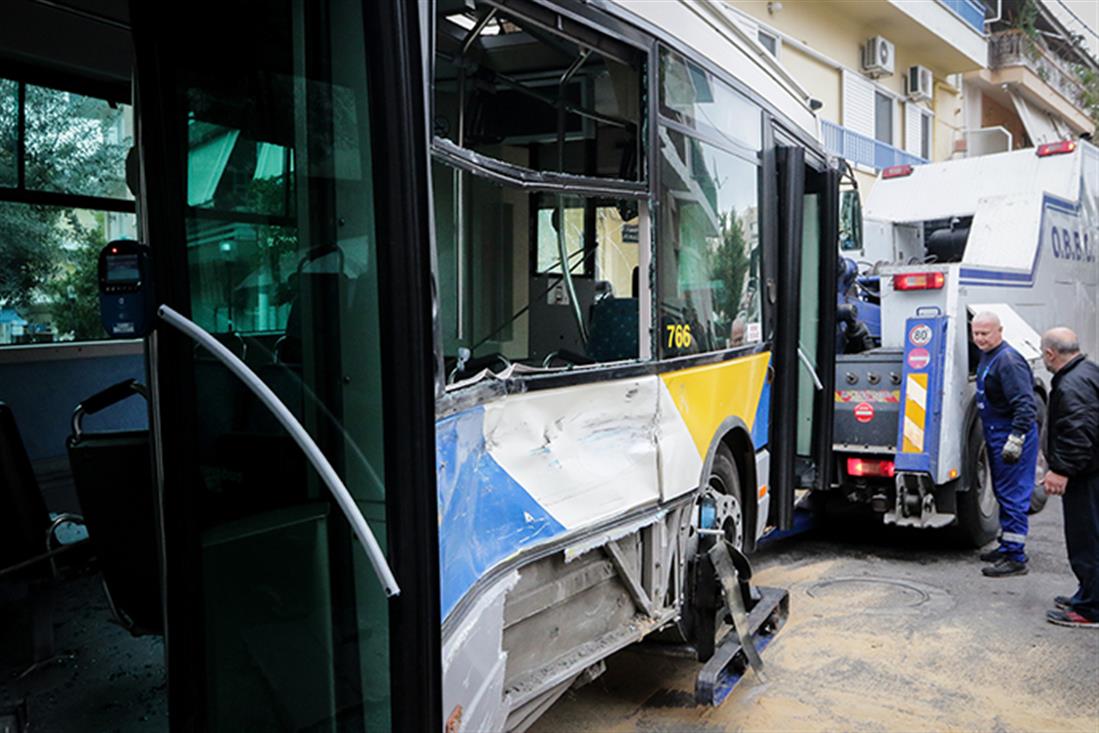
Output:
[[1014, 233]]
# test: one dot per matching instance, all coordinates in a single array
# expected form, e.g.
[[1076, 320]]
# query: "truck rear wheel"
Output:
[[978, 510], [1038, 497]]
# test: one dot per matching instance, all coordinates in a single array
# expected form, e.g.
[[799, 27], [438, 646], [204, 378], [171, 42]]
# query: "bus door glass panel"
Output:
[[282, 268], [816, 344], [808, 321]]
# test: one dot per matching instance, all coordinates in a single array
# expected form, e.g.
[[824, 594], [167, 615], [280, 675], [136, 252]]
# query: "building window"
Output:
[[925, 136], [883, 118], [56, 145], [769, 40]]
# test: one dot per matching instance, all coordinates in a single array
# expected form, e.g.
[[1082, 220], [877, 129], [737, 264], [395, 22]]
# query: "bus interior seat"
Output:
[[24, 518], [26, 533], [613, 328], [112, 473]]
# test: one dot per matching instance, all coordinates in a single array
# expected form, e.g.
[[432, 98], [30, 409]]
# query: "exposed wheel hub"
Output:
[[718, 510]]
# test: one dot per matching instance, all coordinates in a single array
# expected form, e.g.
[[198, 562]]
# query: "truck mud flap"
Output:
[[726, 668]]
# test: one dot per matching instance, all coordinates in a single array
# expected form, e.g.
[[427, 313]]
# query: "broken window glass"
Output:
[[504, 295], [513, 90]]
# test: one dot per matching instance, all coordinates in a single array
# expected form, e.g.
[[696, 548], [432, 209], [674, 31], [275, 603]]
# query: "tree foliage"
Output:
[[730, 266], [71, 146]]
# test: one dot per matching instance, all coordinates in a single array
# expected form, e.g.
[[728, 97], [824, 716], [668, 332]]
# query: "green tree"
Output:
[[74, 288], [730, 266], [71, 146]]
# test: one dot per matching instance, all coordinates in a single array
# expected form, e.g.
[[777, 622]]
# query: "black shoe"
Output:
[[992, 555], [1062, 602], [1005, 568]]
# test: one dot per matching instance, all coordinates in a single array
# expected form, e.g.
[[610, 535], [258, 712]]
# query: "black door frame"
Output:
[[396, 84], [795, 173]]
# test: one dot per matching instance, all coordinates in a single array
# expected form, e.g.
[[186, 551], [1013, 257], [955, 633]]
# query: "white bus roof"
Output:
[[712, 31]]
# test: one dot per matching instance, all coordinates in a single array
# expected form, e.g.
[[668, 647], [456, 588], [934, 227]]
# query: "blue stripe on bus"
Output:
[[760, 426], [484, 514]]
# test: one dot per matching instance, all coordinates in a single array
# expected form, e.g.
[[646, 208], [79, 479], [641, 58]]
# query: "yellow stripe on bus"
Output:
[[915, 413], [705, 396]]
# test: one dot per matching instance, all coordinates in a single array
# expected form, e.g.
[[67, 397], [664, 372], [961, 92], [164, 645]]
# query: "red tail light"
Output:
[[870, 467], [897, 171], [919, 281], [1065, 146]]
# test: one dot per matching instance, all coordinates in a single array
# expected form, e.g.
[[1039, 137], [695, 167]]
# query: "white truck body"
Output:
[[1030, 255]]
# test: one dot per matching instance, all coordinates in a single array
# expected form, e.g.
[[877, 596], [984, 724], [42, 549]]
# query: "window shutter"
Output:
[[858, 104]]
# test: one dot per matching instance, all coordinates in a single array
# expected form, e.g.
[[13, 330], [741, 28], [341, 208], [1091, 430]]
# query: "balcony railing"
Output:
[[1015, 48], [971, 11], [863, 150]]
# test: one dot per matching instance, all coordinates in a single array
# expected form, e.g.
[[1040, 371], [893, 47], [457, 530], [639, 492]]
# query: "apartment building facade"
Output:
[[912, 81]]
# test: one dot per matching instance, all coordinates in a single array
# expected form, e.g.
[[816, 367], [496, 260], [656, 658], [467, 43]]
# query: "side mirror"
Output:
[[850, 234]]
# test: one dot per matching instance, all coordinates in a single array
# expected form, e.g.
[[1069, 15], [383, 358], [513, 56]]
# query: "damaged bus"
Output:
[[546, 290]]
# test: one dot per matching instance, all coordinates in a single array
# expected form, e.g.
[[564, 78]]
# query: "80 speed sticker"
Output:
[[920, 335]]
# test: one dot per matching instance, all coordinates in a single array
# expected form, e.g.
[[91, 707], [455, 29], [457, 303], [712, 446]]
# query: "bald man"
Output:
[[1072, 450], [1009, 410]]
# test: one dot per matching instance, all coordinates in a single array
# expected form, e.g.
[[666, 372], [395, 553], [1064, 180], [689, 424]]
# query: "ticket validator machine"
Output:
[[126, 301]]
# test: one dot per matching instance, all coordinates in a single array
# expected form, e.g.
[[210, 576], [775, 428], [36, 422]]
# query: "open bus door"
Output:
[[284, 197], [808, 211]]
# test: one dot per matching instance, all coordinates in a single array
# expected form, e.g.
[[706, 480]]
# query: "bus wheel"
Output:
[[720, 505], [978, 510]]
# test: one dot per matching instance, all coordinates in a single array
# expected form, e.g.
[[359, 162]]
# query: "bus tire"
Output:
[[978, 510], [723, 489], [719, 502]]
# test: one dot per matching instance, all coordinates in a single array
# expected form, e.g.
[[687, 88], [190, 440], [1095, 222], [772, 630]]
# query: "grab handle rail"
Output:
[[301, 437]]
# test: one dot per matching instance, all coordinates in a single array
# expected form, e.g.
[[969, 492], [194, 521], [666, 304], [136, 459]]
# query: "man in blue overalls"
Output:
[[1008, 409]]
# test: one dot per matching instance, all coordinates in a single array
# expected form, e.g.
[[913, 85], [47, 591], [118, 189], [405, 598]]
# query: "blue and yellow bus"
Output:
[[550, 285]]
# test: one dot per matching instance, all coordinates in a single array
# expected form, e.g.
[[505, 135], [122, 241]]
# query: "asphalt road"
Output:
[[888, 631]]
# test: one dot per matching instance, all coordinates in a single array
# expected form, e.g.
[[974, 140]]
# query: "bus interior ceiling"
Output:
[[510, 89], [66, 127]]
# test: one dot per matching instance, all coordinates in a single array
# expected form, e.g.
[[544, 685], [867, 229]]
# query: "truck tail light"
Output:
[[919, 281], [1065, 146], [869, 467], [897, 171]]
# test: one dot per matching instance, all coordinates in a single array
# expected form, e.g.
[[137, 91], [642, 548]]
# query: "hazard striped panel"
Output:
[[915, 413]]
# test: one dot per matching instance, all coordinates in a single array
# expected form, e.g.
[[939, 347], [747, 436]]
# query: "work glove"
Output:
[[1013, 448]]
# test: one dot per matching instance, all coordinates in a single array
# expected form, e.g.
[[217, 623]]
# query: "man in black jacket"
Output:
[[1072, 452]]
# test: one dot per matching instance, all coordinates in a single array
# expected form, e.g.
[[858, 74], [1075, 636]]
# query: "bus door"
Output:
[[284, 199], [808, 196]]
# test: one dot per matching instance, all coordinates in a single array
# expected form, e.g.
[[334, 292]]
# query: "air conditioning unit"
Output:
[[877, 57], [919, 82]]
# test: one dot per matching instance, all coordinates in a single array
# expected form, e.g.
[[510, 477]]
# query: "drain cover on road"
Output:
[[879, 595]]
